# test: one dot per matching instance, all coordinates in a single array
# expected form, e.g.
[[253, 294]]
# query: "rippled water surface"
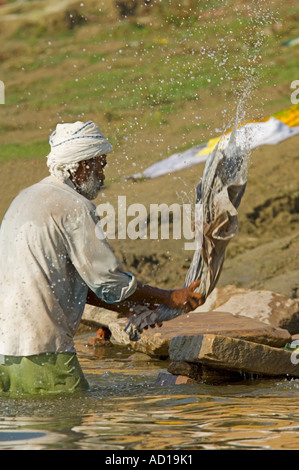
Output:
[[126, 410]]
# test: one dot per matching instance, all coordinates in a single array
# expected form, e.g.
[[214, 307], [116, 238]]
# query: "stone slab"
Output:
[[156, 341], [168, 379], [267, 306], [223, 323], [201, 373], [234, 354], [204, 375]]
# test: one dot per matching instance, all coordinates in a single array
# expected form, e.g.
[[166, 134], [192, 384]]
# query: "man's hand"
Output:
[[186, 298]]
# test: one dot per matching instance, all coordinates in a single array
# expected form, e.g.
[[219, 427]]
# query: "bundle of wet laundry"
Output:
[[218, 196]]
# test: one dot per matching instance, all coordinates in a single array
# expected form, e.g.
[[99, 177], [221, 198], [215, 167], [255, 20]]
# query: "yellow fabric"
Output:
[[290, 116], [209, 147]]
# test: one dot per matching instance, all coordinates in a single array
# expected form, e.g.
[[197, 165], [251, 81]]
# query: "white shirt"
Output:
[[50, 253]]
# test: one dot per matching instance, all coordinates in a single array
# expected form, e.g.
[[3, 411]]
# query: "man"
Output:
[[52, 263]]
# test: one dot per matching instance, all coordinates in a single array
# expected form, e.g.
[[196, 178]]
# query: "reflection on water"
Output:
[[126, 410]]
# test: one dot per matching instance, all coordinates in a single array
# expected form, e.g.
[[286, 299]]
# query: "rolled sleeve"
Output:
[[124, 286]]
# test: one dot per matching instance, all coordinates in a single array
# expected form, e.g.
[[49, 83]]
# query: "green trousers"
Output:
[[41, 374]]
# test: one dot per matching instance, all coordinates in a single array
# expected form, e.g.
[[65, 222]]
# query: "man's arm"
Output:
[[120, 307], [184, 298]]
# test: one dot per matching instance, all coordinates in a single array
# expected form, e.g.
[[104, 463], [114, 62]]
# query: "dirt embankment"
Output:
[[265, 254]]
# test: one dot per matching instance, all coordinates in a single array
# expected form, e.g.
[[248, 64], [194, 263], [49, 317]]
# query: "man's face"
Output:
[[91, 177], [96, 166]]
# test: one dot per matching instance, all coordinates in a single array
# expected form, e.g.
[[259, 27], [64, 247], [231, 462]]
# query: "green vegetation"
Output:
[[142, 69], [28, 150]]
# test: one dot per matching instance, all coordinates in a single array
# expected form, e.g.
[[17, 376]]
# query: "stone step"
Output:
[[201, 373], [168, 379], [269, 307], [181, 373], [156, 341], [233, 354]]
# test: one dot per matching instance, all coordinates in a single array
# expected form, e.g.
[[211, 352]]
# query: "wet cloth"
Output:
[[73, 142], [51, 252], [42, 373], [218, 196]]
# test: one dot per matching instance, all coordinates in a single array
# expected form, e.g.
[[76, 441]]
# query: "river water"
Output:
[[126, 410]]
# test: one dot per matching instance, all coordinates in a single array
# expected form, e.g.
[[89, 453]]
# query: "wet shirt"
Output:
[[52, 250]]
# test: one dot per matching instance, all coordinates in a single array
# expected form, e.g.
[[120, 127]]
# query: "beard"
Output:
[[90, 188]]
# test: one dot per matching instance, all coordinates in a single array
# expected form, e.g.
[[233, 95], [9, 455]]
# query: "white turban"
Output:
[[72, 143]]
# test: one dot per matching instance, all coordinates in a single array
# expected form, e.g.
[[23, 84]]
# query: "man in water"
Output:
[[53, 262]]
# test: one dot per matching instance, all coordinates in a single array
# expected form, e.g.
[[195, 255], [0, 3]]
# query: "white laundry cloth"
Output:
[[254, 134]]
